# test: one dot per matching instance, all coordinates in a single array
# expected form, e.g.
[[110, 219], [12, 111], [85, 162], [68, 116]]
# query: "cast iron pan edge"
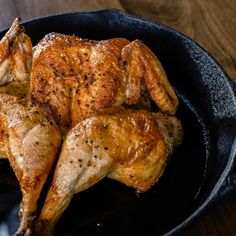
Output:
[[226, 182]]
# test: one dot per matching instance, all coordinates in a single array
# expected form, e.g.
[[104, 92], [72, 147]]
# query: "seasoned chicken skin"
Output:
[[28, 139], [78, 78], [131, 147], [95, 92], [88, 85]]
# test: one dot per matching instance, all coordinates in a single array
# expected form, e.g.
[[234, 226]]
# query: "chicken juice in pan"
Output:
[[85, 93]]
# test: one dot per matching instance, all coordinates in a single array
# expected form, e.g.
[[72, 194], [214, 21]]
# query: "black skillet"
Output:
[[200, 171]]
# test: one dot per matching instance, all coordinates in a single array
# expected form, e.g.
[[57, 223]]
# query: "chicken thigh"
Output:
[[78, 78], [131, 147], [28, 139]]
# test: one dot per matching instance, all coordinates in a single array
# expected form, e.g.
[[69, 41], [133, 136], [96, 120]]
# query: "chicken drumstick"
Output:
[[28, 139]]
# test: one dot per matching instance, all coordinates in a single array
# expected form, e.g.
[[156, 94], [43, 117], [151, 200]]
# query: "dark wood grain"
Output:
[[211, 23], [27, 9]]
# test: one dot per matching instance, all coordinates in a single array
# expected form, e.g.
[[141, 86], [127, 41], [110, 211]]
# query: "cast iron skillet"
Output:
[[201, 169]]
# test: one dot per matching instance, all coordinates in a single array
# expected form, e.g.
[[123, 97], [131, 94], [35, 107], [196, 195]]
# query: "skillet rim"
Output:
[[231, 86]]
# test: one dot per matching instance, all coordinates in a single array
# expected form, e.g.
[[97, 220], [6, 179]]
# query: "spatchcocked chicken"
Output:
[[100, 95]]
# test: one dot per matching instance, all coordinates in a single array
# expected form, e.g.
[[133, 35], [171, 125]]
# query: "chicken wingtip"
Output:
[[15, 29]]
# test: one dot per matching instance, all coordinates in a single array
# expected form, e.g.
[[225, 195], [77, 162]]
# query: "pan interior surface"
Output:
[[110, 208]]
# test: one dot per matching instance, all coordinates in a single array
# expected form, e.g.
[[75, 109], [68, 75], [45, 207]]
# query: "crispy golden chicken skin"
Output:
[[78, 78], [99, 94], [28, 139], [131, 147]]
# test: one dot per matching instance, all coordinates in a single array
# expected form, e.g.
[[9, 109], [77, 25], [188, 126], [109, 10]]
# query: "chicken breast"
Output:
[[78, 78]]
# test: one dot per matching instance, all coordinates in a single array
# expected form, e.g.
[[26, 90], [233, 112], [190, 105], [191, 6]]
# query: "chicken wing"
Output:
[[28, 139], [78, 78], [15, 61], [131, 147]]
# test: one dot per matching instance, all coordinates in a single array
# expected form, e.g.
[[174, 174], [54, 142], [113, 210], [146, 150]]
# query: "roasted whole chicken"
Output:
[[28, 139], [109, 101]]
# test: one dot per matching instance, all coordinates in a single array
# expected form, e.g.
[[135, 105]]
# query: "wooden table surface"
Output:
[[211, 23]]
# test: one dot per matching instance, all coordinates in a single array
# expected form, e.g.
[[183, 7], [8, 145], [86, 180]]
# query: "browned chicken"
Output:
[[88, 85], [131, 147], [88, 88], [28, 139], [78, 78]]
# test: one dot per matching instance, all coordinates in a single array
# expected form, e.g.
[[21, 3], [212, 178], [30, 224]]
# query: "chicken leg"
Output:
[[131, 147], [28, 139]]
